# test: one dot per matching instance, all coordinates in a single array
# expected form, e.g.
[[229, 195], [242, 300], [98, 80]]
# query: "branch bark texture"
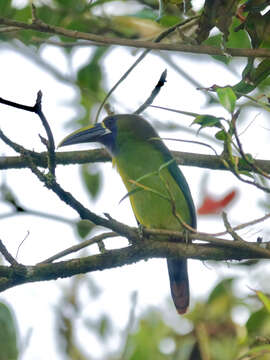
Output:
[[101, 155], [11, 276], [40, 26]]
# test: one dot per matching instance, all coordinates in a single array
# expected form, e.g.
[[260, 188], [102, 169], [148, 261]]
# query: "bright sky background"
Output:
[[33, 303]]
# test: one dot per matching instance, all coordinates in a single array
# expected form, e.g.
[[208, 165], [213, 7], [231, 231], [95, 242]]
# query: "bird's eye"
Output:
[[109, 122]]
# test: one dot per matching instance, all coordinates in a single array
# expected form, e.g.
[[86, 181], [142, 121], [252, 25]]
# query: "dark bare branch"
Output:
[[7, 255]]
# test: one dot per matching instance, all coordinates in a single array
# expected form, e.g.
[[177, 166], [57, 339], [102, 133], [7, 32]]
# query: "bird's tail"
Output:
[[179, 284]]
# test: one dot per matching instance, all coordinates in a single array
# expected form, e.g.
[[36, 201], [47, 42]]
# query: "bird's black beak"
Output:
[[87, 134]]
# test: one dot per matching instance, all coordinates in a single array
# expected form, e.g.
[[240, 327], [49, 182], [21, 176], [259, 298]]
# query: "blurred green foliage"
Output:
[[211, 330], [8, 334]]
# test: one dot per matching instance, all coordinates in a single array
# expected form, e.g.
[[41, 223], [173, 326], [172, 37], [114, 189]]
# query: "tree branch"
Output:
[[40, 26], [12, 276], [7, 255], [101, 155], [81, 245]]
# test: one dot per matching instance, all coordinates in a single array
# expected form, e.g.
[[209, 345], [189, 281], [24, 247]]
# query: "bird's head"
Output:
[[104, 133], [112, 132]]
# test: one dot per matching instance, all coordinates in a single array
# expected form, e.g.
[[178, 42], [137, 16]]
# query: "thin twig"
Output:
[[17, 106], [6, 29], [187, 113], [257, 185], [140, 58], [244, 225], [33, 56], [154, 93], [245, 157], [185, 74], [190, 142], [16, 147], [82, 245], [37, 110], [237, 238], [35, 19], [10, 259], [51, 144], [229, 228], [38, 214], [172, 201], [23, 240]]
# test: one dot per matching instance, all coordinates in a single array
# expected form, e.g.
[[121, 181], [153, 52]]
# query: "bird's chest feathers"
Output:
[[156, 190]]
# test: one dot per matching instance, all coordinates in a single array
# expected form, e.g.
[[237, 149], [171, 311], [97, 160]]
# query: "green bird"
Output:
[[158, 191]]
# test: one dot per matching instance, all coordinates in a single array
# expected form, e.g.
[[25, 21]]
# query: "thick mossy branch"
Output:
[[101, 155], [62, 158], [19, 274]]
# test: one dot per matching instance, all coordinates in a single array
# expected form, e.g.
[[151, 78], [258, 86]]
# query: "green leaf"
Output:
[[6, 10], [224, 287], [89, 81], [216, 41], [262, 71], [8, 334], [84, 227], [166, 164], [141, 187], [250, 158], [264, 299], [169, 20], [246, 173], [221, 135], [244, 163], [130, 193], [256, 321], [148, 188], [253, 77], [146, 14], [207, 121], [216, 14], [227, 98], [92, 179], [136, 187], [261, 352], [258, 28], [104, 326], [144, 342], [90, 75], [238, 38]]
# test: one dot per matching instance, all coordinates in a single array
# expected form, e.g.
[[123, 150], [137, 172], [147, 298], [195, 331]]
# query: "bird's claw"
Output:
[[186, 235], [141, 231]]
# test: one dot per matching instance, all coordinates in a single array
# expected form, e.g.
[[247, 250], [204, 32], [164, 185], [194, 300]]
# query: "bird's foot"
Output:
[[141, 231], [101, 247], [186, 236]]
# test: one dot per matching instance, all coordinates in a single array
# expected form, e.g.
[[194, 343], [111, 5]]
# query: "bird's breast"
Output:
[[156, 199]]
